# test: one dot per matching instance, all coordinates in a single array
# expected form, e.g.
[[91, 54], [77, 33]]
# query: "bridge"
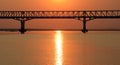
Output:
[[83, 16]]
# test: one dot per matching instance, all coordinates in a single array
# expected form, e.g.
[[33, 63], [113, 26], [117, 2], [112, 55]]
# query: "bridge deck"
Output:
[[23, 16]]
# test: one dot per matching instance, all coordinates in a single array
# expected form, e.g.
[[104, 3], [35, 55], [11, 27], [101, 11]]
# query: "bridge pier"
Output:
[[84, 30], [22, 30]]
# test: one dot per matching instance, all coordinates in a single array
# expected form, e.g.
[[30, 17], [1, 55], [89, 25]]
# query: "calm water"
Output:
[[60, 48]]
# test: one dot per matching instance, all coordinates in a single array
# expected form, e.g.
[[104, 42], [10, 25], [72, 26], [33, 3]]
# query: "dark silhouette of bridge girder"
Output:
[[84, 16]]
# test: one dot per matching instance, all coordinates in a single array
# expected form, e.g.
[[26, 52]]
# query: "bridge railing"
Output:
[[60, 14]]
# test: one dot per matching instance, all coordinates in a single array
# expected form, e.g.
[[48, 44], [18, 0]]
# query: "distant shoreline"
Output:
[[14, 30]]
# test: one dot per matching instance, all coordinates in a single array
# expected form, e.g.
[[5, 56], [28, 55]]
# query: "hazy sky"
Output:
[[60, 5]]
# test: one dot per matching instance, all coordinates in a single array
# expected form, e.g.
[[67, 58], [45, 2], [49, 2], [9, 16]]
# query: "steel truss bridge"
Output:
[[83, 16]]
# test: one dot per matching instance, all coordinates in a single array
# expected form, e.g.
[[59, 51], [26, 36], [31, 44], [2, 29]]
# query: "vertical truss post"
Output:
[[84, 30], [22, 30]]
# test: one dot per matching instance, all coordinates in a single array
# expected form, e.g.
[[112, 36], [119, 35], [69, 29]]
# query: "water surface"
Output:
[[60, 48]]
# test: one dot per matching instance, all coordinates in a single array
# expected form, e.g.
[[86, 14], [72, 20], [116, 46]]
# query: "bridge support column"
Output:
[[84, 30], [22, 30]]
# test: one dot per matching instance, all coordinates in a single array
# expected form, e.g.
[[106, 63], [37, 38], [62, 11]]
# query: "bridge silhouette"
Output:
[[83, 16]]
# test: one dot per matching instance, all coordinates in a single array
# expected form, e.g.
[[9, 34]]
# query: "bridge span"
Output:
[[83, 16]]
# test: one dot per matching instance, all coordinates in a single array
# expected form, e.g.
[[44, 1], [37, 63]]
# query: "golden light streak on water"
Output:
[[59, 52]]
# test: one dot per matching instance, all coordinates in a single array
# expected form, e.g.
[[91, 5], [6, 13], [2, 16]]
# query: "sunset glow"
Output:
[[58, 42], [59, 1]]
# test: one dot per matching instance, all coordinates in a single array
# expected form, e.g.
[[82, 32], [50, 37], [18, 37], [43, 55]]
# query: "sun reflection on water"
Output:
[[59, 52]]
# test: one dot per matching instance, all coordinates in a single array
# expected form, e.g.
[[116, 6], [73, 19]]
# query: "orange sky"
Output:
[[60, 5]]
